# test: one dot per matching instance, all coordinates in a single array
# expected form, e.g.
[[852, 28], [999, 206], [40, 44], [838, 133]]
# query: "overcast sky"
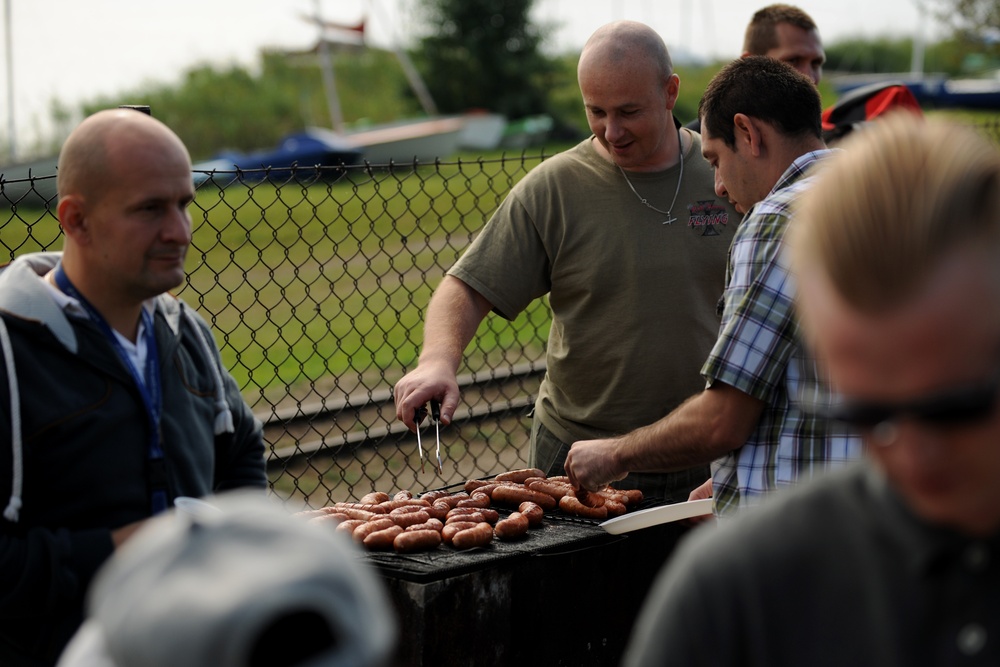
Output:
[[72, 50]]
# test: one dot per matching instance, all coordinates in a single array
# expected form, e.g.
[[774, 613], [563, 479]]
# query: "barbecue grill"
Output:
[[567, 594]]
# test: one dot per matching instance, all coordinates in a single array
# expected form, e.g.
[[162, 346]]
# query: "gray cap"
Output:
[[242, 585]]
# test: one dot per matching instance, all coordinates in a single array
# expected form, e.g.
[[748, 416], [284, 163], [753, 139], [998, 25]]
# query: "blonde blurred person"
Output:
[[893, 561]]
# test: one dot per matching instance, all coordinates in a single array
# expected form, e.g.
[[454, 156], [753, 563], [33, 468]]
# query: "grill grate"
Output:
[[559, 533]]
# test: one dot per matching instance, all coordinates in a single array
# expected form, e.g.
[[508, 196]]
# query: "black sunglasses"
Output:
[[954, 407]]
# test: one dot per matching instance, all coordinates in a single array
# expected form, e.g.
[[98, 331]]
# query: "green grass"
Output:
[[306, 283]]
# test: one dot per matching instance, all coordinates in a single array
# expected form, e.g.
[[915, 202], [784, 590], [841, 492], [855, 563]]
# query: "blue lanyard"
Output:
[[147, 383]]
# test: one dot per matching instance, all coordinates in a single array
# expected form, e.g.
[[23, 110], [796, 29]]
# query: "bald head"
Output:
[[124, 191], [623, 44], [106, 142]]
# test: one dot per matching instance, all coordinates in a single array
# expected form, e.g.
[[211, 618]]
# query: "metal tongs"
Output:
[[436, 416], [418, 416]]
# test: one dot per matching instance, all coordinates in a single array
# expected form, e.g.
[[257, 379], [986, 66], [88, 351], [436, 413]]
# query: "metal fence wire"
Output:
[[315, 281]]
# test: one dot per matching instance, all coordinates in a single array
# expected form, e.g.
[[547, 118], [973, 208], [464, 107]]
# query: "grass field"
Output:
[[306, 283]]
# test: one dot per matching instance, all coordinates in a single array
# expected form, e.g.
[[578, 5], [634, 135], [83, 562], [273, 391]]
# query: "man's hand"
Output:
[[425, 382], [592, 464], [120, 535], [702, 492], [453, 315]]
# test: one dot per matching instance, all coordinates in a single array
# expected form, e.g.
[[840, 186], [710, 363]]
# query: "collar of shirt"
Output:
[[927, 548], [794, 172], [136, 351]]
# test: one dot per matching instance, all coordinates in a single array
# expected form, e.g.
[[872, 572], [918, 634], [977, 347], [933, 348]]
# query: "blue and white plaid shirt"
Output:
[[759, 351]]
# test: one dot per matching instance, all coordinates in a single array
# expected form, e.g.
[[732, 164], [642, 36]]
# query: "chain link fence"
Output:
[[315, 282]]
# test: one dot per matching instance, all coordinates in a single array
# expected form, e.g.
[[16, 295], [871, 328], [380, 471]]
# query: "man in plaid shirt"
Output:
[[761, 134]]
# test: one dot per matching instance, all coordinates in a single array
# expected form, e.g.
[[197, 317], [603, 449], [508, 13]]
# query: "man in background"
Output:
[[785, 33], [113, 398], [894, 561]]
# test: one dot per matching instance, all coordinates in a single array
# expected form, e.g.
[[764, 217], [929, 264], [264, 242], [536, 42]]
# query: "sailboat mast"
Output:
[[917, 53], [412, 75], [326, 67]]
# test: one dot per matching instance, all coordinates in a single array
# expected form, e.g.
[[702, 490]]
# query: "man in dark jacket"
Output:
[[113, 398]]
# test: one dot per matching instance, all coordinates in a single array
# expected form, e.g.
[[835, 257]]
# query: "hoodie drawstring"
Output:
[[13, 511]]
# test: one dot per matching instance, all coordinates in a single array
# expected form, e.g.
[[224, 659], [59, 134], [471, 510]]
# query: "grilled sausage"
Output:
[[451, 529], [431, 496], [613, 494], [473, 484], [476, 500], [519, 475], [439, 510], [533, 511], [634, 496], [454, 498], [572, 505], [478, 536], [589, 498], [409, 516], [614, 507], [382, 540], [430, 524], [555, 489], [390, 505], [476, 517], [514, 496], [488, 514], [369, 527], [416, 540], [347, 527], [513, 527], [359, 514], [375, 497], [374, 508]]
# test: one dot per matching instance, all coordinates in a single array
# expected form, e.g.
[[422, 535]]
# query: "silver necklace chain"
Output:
[[670, 219]]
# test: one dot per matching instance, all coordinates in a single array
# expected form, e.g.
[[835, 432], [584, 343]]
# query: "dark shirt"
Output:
[[833, 572]]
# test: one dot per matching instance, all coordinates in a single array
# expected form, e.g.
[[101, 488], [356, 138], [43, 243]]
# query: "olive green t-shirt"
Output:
[[633, 300]]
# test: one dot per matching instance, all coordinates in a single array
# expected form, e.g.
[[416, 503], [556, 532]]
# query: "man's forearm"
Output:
[[453, 316], [703, 428]]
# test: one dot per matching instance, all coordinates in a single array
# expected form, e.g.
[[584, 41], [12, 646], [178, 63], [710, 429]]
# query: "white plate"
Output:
[[657, 515]]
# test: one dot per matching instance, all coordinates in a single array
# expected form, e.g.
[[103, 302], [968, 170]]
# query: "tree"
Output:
[[484, 54], [975, 22], [969, 15], [230, 108]]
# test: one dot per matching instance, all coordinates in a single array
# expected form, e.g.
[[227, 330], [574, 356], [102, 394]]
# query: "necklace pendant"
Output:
[[670, 220]]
